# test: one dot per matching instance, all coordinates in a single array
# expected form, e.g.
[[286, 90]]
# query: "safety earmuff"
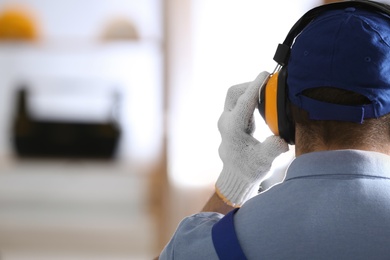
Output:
[[274, 104]]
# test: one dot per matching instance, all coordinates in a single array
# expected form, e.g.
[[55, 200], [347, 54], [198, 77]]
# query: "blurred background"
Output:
[[108, 116]]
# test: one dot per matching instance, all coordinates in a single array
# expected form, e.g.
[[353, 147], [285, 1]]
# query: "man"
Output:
[[335, 200]]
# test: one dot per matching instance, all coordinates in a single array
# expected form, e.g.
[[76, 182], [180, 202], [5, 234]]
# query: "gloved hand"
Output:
[[246, 161]]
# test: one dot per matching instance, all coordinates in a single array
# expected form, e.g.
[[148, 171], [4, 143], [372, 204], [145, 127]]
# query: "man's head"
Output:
[[338, 79]]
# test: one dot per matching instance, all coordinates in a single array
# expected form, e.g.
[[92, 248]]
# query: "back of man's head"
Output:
[[339, 80]]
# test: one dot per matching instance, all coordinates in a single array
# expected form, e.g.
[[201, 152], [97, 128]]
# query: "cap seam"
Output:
[[376, 32], [337, 35]]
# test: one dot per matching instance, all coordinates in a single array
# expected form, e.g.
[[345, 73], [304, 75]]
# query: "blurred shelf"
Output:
[[53, 209]]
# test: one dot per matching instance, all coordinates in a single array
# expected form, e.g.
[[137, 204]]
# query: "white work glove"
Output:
[[246, 161]]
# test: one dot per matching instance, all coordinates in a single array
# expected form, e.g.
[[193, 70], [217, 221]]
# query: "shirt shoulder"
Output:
[[192, 238]]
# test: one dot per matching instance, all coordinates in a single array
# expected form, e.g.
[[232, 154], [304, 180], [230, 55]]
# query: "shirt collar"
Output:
[[340, 162]]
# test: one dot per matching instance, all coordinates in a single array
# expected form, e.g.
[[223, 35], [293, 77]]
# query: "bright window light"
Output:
[[232, 41]]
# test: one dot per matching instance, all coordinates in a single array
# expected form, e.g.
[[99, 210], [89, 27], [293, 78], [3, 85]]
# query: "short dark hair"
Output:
[[345, 134]]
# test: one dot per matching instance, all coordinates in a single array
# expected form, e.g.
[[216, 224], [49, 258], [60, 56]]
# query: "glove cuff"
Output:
[[233, 190]]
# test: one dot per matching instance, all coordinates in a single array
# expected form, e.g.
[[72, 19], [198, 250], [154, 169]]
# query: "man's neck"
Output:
[[385, 149]]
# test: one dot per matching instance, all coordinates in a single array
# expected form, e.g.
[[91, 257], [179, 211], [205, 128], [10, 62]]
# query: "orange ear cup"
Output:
[[271, 109]]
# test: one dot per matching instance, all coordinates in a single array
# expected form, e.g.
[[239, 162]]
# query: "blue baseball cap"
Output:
[[347, 49]]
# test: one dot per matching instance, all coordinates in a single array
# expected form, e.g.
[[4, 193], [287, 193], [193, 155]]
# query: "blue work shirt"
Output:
[[332, 205]]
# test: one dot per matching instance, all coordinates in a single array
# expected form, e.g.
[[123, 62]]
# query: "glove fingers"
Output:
[[233, 95], [248, 101], [242, 101], [230, 126]]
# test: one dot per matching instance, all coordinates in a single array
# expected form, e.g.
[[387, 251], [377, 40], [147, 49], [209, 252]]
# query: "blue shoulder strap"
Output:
[[225, 238]]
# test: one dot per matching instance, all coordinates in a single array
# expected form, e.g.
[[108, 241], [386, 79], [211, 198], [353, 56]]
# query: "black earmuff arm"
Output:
[[282, 54]]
